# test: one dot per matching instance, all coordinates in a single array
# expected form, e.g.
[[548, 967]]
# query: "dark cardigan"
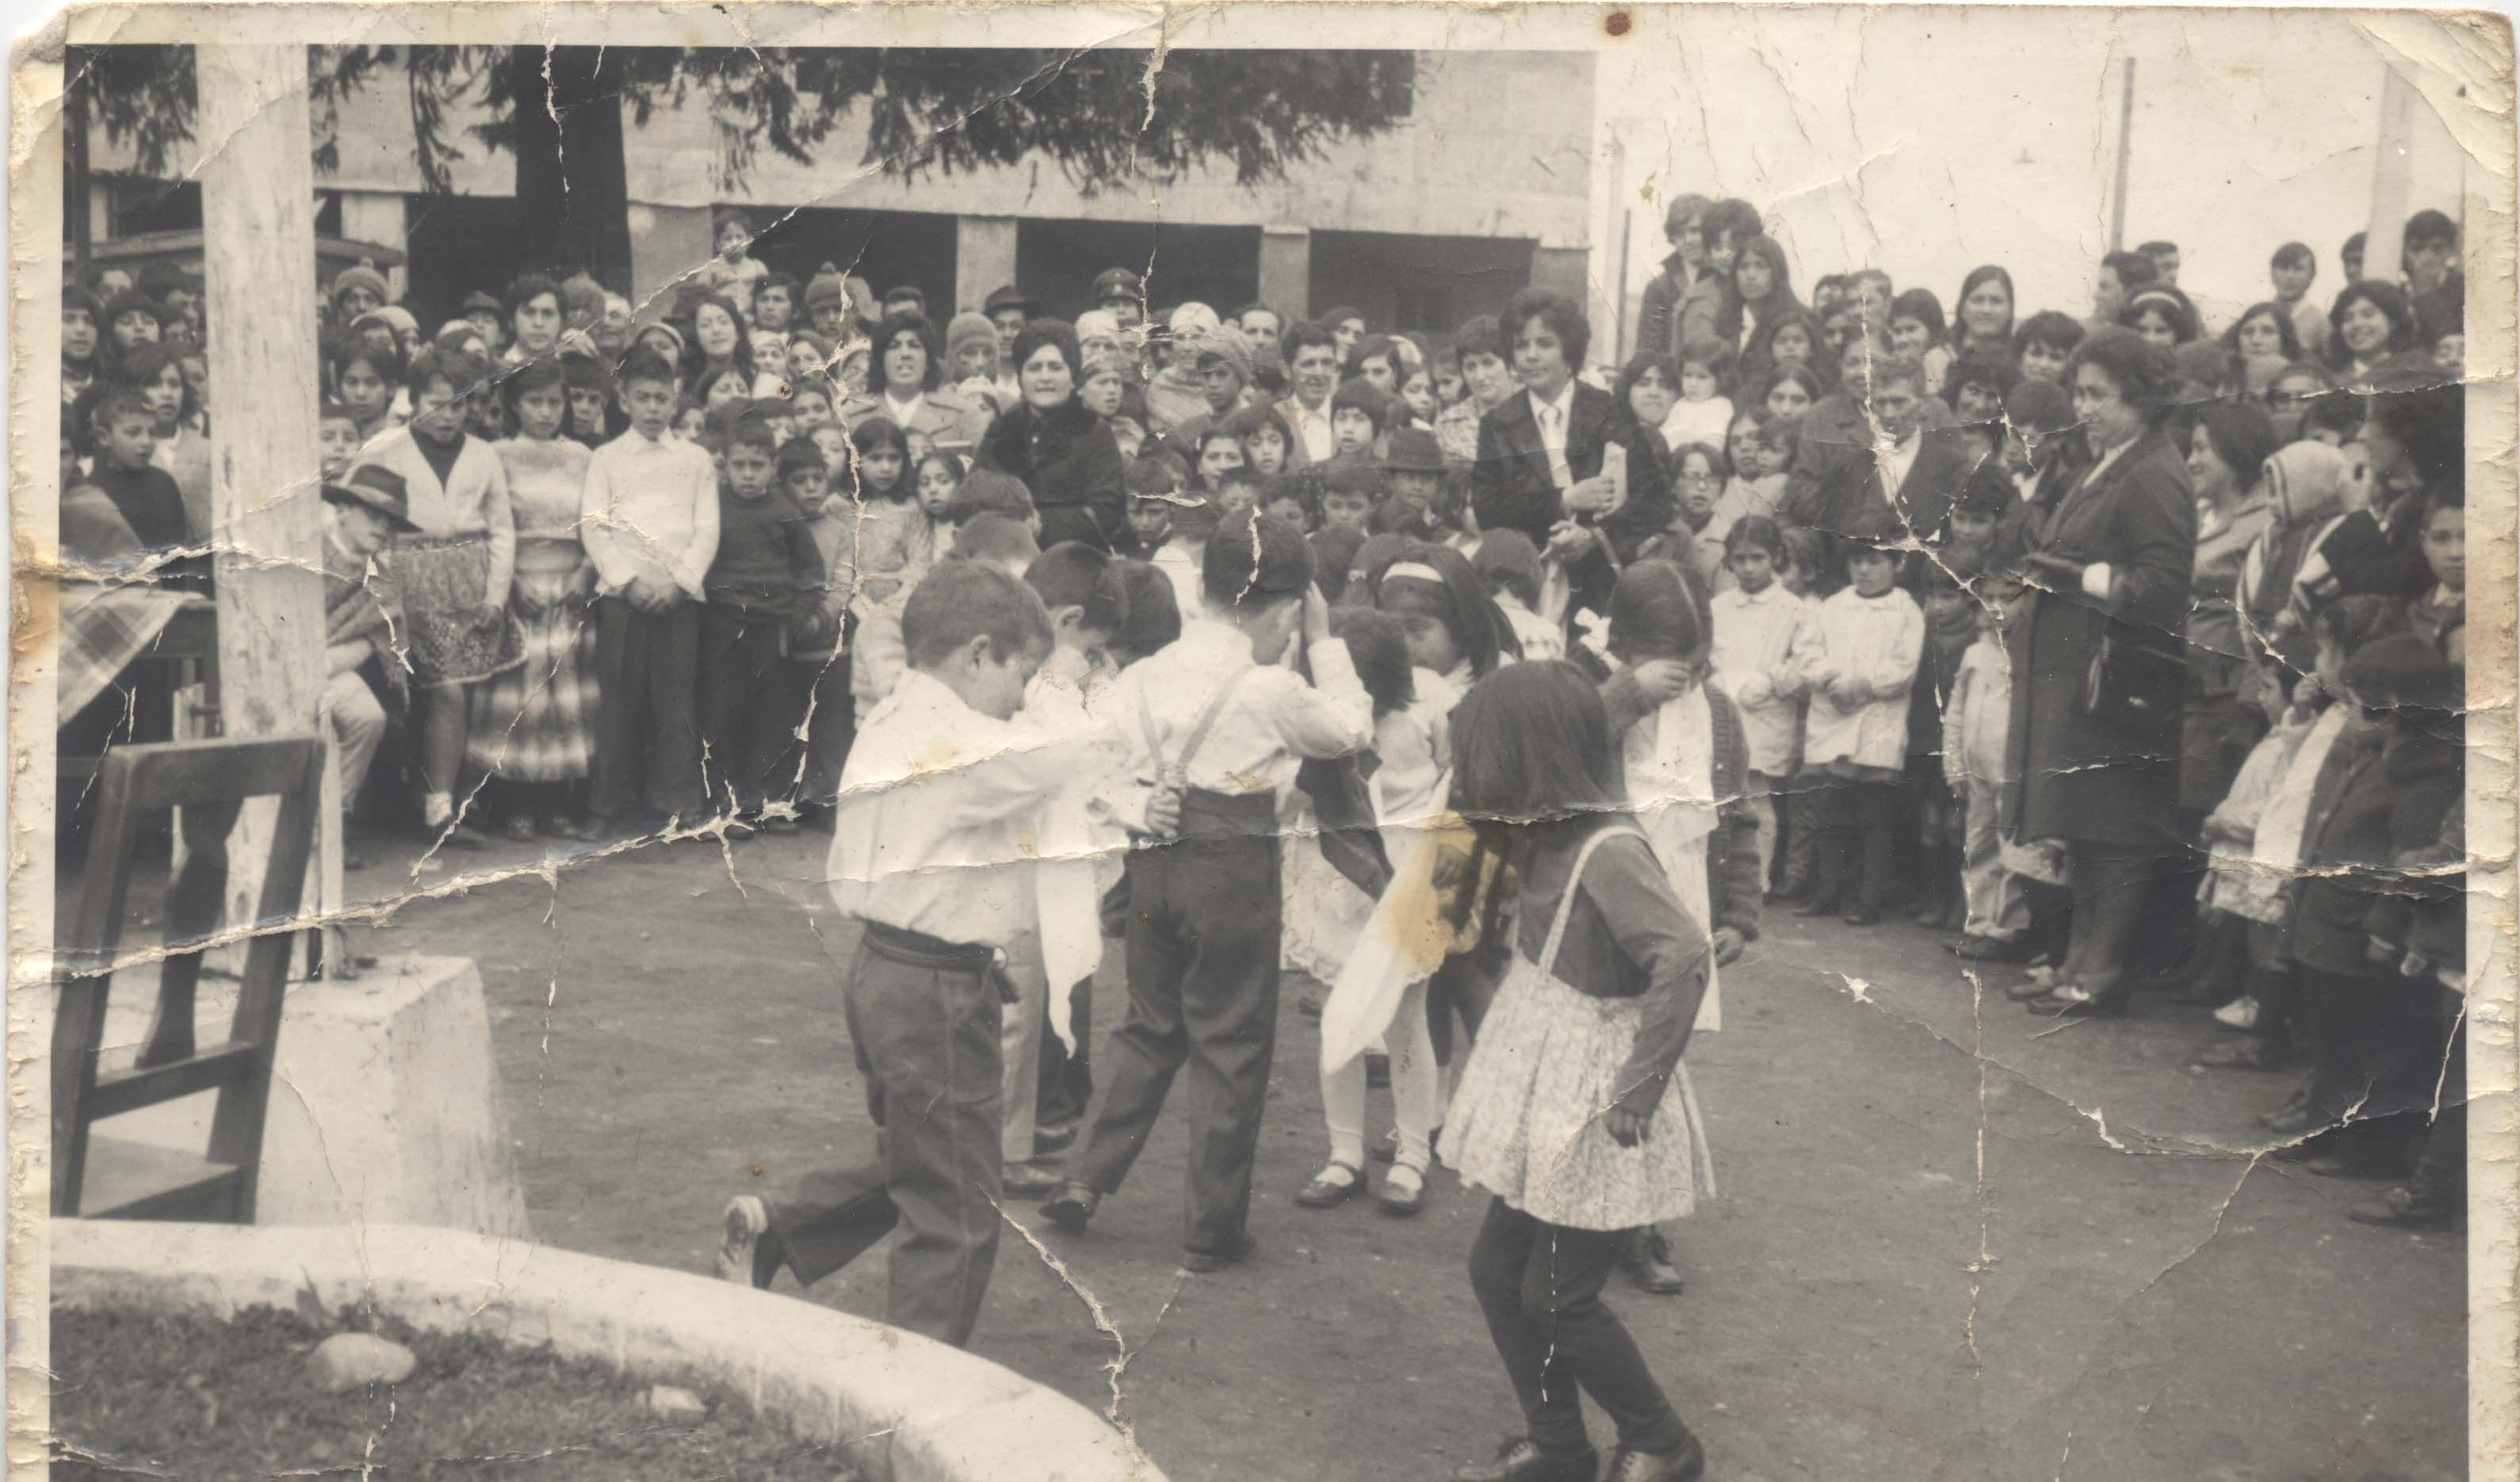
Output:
[[1072, 462]]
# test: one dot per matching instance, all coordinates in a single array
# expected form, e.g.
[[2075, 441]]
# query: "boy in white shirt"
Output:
[[1976, 732], [940, 796], [1760, 645], [1870, 636], [1220, 723], [649, 523]]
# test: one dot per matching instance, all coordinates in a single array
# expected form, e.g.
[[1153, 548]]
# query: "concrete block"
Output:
[[385, 1104]]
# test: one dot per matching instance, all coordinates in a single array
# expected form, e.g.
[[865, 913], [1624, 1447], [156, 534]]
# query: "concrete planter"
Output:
[[897, 1406]]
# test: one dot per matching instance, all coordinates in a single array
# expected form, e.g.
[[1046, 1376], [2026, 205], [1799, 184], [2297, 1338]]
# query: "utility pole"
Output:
[[2384, 239], [2126, 162], [258, 260]]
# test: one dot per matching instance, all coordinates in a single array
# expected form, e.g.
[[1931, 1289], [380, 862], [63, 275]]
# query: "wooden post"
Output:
[[2384, 239], [266, 500], [2126, 162]]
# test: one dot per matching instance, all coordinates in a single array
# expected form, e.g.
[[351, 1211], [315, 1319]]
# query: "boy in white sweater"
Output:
[[1868, 638], [1759, 648], [1976, 730]]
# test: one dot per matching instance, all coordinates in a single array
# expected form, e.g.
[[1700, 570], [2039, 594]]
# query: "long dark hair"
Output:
[[1982, 274], [1477, 624], [1532, 756]]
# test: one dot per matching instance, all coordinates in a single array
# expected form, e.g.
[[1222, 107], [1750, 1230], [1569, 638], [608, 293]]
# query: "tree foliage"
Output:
[[1106, 118]]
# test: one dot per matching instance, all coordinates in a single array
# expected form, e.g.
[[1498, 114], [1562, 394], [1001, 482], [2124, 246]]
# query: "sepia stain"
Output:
[[1617, 23]]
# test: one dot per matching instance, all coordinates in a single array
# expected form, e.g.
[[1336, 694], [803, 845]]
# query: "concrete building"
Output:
[[1487, 185]]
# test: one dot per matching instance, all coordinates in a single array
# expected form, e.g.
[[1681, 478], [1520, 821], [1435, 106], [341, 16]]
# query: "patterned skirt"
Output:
[[446, 636], [1527, 1121], [535, 723]]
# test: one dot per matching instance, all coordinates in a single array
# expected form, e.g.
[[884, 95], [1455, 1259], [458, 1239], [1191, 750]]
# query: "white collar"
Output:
[[1564, 402]]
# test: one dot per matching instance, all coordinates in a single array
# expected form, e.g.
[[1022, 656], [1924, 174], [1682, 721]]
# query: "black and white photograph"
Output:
[[1035, 743]]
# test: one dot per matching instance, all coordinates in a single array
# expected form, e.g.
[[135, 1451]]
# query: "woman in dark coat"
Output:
[[2111, 567], [1064, 453]]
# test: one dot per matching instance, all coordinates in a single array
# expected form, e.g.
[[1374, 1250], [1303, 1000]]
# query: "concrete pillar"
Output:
[[1287, 270], [385, 1103], [1564, 270], [665, 242], [984, 258], [378, 216]]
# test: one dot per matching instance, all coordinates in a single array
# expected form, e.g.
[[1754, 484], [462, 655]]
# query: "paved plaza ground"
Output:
[[1949, 1245]]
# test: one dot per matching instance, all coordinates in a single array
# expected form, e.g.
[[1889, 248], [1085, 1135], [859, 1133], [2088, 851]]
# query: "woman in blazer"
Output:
[[1572, 513], [2111, 565], [907, 386]]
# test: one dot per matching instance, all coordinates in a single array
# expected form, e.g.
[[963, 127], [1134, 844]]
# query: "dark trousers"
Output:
[[1202, 954], [925, 1028], [1540, 1286], [1068, 1076], [1859, 824], [750, 702], [2375, 1043], [647, 730], [2111, 884]]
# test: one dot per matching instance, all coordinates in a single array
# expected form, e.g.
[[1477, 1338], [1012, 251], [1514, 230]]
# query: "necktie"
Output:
[[1553, 436]]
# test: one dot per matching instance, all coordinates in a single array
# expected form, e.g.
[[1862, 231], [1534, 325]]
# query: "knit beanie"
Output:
[[827, 287], [968, 328], [360, 276], [1227, 344]]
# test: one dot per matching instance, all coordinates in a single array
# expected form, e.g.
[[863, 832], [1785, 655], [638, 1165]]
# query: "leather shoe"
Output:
[[1521, 1459], [1202, 1262], [1072, 1206], [1026, 1181], [2399, 1209], [1645, 1256], [1687, 1464], [1990, 949]]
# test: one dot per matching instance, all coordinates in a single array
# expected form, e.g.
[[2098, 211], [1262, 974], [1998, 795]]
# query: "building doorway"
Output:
[[887, 249], [1426, 285]]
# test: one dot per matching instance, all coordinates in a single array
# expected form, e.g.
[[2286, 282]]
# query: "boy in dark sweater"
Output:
[[767, 577], [123, 435]]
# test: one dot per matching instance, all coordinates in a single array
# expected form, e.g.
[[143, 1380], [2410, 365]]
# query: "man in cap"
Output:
[[369, 507], [1118, 294], [482, 311], [1008, 310]]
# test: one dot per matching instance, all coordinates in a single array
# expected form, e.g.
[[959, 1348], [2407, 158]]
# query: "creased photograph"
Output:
[[944, 743]]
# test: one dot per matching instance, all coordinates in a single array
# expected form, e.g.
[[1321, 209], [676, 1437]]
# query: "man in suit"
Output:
[[1312, 380], [1542, 456], [1907, 475]]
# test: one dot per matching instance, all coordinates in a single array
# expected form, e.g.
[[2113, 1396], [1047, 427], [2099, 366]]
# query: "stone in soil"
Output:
[[353, 1360]]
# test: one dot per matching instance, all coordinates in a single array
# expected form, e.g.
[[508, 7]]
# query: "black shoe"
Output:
[[1072, 1206], [1687, 1464], [1645, 1256], [1521, 1459], [1204, 1262], [1824, 904], [2401, 1209], [1990, 948], [1026, 1181]]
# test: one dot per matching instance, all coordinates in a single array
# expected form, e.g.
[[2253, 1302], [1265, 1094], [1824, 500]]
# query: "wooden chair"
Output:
[[107, 1178]]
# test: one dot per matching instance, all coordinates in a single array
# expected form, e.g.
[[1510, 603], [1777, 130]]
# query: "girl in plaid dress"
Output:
[[533, 726]]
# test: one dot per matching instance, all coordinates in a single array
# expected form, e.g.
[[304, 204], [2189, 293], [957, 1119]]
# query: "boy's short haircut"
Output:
[[986, 491], [1152, 618], [798, 455], [1075, 574], [1737, 218], [2335, 412], [332, 411], [2048, 327], [994, 538], [644, 364], [538, 374], [1334, 549], [1357, 477], [1357, 393], [2296, 255], [2350, 623], [752, 430], [1509, 561], [1158, 473], [1989, 491], [116, 403], [585, 373], [1257, 560], [1297, 484], [959, 601], [2134, 270], [777, 280], [2430, 226], [1245, 476]]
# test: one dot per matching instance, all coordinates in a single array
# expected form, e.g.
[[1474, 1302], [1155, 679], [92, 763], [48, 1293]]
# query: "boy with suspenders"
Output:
[[1224, 727]]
